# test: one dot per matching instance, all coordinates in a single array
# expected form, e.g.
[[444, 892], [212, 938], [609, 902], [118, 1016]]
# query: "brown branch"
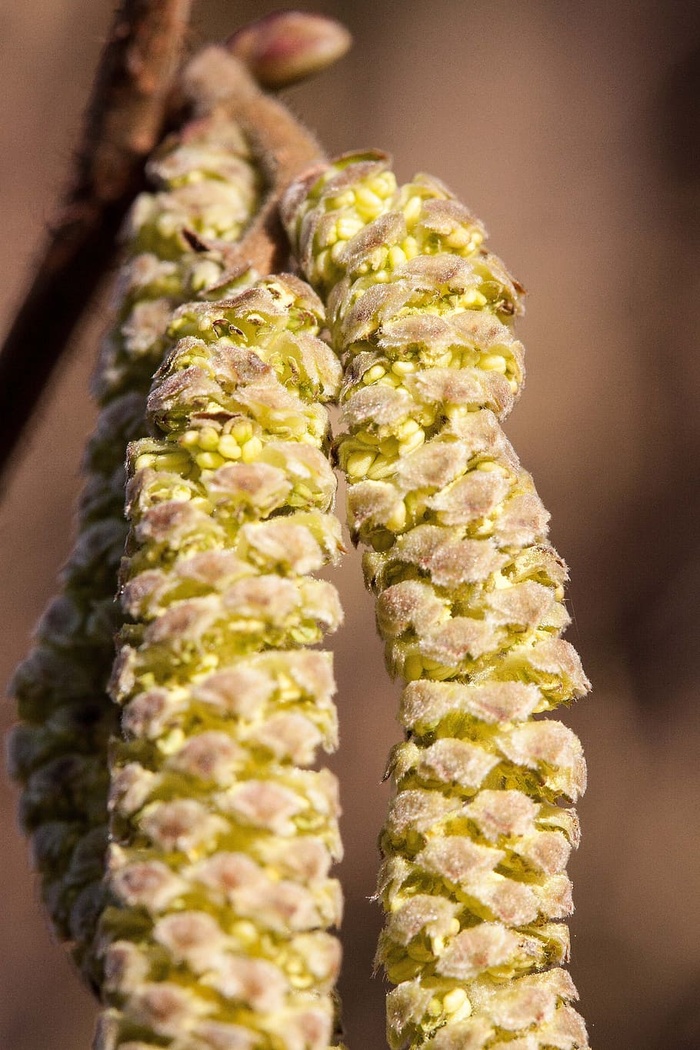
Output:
[[123, 123]]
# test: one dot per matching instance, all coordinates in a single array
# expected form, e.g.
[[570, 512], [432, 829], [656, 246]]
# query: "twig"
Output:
[[123, 123]]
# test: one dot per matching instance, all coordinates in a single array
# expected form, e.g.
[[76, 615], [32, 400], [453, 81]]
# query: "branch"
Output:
[[124, 121]]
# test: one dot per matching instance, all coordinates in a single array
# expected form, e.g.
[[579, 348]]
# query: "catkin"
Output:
[[221, 835], [470, 604], [206, 192]]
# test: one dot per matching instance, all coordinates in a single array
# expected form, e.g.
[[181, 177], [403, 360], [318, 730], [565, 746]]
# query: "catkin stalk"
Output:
[[221, 835], [470, 604]]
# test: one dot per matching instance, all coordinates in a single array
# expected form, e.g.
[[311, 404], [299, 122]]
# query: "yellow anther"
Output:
[[420, 953], [209, 460], [462, 1013], [347, 226], [245, 931], [205, 275], [454, 1000], [412, 210], [434, 1007], [229, 447], [251, 450], [459, 238], [343, 200], [323, 262], [146, 459], [381, 468], [172, 461], [402, 970], [373, 374], [411, 247], [413, 667], [389, 447], [383, 185], [396, 257], [242, 431], [208, 439], [408, 428], [403, 368], [377, 261], [172, 742], [474, 298], [166, 225], [189, 438], [358, 463], [414, 441], [397, 519], [493, 363], [367, 198]]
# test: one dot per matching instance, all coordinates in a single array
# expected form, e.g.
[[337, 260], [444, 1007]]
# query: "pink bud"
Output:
[[287, 46]]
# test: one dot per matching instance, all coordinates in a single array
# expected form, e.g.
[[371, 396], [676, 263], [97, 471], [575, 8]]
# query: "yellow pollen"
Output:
[[358, 463], [413, 667], [208, 439], [373, 374], [251, 450], [454, 1000], [229, 447], [412, 210], [396, 257], [209, 460], [493, 363]]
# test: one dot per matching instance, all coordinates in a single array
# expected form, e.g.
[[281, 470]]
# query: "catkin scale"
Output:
[[222, 836], [470, 604]]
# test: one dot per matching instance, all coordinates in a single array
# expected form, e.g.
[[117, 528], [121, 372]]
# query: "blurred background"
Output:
[[572, 127]]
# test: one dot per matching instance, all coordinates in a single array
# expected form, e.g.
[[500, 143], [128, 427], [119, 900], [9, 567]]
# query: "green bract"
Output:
[[221, 836], [207, 188], [470, 603]]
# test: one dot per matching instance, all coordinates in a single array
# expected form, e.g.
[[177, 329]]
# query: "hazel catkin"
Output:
[[470, 604]]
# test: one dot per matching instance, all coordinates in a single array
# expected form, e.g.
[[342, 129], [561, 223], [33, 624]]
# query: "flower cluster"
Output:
[[470, 604], [207, 190], [221, 836]]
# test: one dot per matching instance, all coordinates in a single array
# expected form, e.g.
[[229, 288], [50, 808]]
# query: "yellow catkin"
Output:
[[222, 835], [205, 187], [470, 603]]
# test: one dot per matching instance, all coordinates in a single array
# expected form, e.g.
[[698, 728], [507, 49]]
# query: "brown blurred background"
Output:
[[572, 127]]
